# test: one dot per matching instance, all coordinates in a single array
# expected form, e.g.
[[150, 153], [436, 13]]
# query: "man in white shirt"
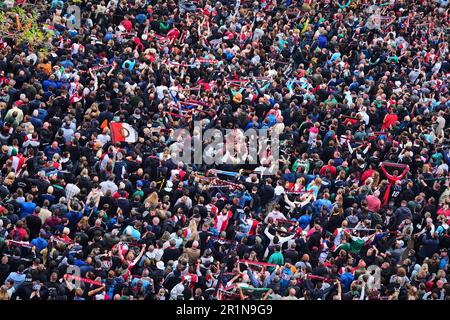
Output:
[[275, 215], [109, 185]]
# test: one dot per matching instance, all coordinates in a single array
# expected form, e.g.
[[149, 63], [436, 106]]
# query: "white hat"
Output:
[[160, 265], [169, 186]]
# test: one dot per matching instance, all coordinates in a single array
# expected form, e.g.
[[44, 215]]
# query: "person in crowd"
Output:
[[95, 203]]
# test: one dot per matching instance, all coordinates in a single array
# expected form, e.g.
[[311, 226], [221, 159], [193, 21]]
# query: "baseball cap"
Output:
[[160, 265]]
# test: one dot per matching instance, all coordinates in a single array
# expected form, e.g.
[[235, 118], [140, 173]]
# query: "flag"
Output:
[[104, 124], [123, 132], [19, 24], [305, 26]]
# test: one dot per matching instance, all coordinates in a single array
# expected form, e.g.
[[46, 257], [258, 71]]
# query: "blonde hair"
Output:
[[194, 232], [153, 199], [339, 200], [317, 182], [4, 293], [376, 179], [84, 222], [10, 178]]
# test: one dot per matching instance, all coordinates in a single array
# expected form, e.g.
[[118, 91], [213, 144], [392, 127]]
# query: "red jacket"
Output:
[[127, 25], [366, 174], [331, 169], [19, 234], [441, 211], [389, 120]]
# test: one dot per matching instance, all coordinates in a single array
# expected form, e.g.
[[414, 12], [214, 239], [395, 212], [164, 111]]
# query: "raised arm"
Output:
[[110, 72], [363, 291], [289, 202], [267, 233], [405, 171], [140, 254], [92, 292], [252, 277], [286, 239], [94, 76], [307, 200], [350, 147], [119, 252], [390, 177], [339, 292]]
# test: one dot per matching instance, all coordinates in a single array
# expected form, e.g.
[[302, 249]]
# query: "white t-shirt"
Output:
[[160, 91]]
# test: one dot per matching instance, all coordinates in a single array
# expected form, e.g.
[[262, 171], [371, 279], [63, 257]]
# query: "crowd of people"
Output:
[[357, 91]]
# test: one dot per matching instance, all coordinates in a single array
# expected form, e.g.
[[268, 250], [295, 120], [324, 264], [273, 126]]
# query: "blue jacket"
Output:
[[443, 263], [39, 243], [36, 122], [346, 280], [285, 279], [245, 198], [304, 221], [322, 41], [50, 152], [18, 279], [42, 114], [74, 217], [429, 247], [26, 209]]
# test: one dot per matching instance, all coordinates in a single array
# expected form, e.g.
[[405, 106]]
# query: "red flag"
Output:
[[104, 124]]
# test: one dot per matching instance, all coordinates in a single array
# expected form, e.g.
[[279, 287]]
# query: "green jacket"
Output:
[[275, 258], [352, 247]]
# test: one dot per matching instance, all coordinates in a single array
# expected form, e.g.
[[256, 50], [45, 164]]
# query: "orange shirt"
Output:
[[46, 67]]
